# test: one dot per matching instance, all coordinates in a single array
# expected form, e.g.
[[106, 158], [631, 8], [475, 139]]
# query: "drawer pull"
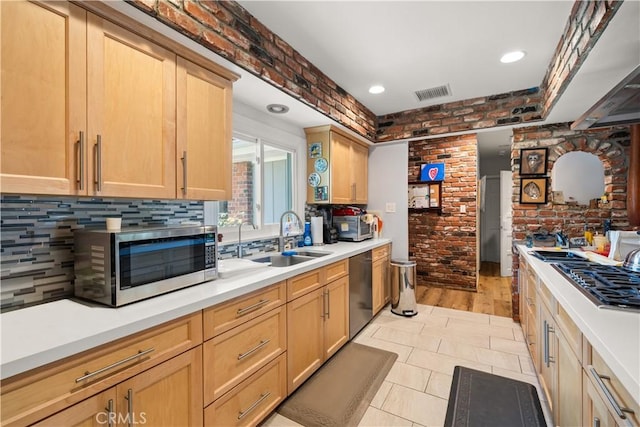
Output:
[[262, 397], [612, 400], [88, 374], [254, 349], [254, 307]]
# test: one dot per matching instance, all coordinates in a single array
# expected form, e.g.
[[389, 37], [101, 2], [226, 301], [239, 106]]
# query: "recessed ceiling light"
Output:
[[514, 56], [376, 89], [277, 108]]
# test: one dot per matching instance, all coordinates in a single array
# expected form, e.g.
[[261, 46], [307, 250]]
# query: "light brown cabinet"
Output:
[[337, 167], [380, 278], [169, 394], [90, 108], [44, 93], [203, 133], [317, 320], [245, 357], [37, 394]]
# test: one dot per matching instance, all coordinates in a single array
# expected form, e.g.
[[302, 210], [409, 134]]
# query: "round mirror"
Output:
[[579, 175]]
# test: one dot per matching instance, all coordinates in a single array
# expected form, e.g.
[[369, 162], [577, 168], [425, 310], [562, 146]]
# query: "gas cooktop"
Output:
[[607, 286]]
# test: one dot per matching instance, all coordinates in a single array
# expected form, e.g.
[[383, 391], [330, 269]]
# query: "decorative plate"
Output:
[[321, 165], [314, 179]]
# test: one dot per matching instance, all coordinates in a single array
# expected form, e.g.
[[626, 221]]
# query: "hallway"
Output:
[[493, 295]]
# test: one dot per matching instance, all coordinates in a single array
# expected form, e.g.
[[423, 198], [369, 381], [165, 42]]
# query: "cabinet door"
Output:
[[359, 172], [305, 345], [92, 412], [169, 394], [203, 133], [131, 113], [43, 103], [341, 189], [548, 359], [595, 411], [377, 284], [568, 394], [336, 320]]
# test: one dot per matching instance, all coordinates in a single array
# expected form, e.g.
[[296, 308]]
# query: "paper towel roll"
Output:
[[316, 230]]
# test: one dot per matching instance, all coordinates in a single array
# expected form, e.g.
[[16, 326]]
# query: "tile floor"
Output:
[[429, 345]]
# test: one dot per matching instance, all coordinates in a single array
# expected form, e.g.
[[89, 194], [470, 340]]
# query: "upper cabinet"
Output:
[[131, 114], [90, 108], [204, 133], [337, 167], [43, 106]]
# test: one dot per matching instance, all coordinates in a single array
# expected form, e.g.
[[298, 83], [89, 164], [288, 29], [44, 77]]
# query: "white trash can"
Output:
[[403, 295]]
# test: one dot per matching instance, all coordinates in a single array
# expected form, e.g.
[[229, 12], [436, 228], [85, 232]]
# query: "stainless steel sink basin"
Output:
[[279, 260]]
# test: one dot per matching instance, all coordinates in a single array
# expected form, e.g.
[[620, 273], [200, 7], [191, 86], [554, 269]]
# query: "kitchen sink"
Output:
[[279, 260]]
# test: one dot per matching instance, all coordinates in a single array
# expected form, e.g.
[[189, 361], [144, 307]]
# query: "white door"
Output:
[[506, 192]]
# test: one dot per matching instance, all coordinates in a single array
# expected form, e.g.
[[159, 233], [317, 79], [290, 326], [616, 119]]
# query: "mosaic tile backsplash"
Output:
[[36, 239]]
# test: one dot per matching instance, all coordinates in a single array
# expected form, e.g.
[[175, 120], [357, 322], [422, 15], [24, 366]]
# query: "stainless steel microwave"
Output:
[[121, 267]]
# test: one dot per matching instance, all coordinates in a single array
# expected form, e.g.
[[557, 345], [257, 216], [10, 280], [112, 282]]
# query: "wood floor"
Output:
[[493, 296]]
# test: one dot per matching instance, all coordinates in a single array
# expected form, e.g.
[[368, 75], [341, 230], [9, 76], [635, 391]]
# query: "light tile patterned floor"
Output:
[[429, 345]]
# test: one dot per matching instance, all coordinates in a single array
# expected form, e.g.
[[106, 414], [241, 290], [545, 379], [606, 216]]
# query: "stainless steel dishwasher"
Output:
[[360, 293]]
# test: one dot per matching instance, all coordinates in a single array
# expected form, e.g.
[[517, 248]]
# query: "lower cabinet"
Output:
[[317, 325], [253, 399], [381, 290], [169, 394]]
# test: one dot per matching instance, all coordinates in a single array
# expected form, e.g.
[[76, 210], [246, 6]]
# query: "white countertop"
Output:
[[35, 336], [614, 334]]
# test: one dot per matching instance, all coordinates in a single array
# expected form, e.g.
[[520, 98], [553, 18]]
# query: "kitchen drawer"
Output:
[[595, 365], [252, 400], [233, 356], [336, 270], [222, 317], [304, 283], [379, 253], [31, 396], [570, 331]]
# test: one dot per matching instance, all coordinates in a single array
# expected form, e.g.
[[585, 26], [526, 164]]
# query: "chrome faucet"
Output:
[[281, 243], [240, 237]]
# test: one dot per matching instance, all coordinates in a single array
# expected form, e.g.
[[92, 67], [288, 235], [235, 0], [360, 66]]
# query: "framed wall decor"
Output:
[[533, 190], [533, 161]]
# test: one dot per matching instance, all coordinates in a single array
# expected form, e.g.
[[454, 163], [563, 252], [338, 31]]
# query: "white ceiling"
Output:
[[414, 45]]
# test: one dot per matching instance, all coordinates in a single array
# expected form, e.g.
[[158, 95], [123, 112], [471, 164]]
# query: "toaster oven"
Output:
[[352, 228]]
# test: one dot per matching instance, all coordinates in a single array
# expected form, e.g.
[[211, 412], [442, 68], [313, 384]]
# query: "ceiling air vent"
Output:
[[434, 92]]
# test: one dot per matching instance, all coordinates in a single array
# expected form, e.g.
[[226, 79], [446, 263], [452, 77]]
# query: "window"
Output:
[[262, 184]]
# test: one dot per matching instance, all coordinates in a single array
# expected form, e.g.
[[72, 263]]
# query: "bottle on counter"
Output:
[[307, 234]]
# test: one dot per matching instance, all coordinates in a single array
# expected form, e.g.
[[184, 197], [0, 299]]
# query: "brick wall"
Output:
[[610, 145], [444, 246], [498, 110], [241, 206]]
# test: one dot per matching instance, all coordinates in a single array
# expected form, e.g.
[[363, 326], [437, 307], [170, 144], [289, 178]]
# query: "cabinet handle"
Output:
[[184, 173], [596, 422], [612, 400], [353, 191], [129, 398], [80, 144], [109, 410], [547, 358], [98, 177], [88, 374], [262, 397], [550, 330], [328, 305], [254, 307], [254, 349]]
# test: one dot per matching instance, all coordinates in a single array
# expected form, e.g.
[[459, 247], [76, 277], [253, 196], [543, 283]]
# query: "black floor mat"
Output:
[[481, 399]]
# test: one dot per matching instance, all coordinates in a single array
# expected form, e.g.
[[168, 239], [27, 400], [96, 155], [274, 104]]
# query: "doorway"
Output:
[[494, 228]]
